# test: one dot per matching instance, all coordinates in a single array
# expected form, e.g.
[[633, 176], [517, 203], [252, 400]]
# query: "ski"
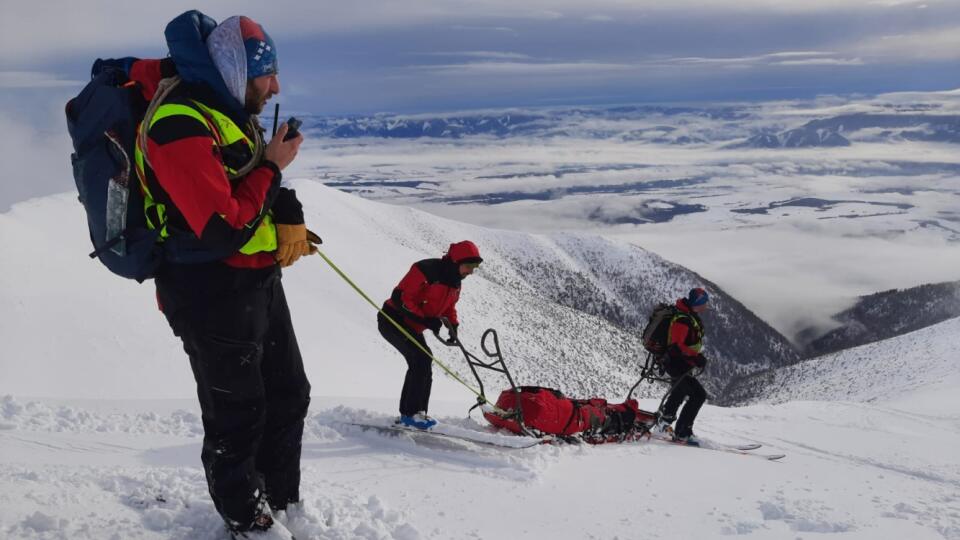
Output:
[[742, 449], [520, 443], [396, 430]]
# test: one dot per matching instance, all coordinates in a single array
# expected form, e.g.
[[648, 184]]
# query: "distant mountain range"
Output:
[[884, 315], [543, 123], [733, 126], [835, 131]]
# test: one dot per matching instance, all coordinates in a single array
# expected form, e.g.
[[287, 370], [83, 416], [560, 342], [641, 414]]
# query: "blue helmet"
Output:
[[697, 297]]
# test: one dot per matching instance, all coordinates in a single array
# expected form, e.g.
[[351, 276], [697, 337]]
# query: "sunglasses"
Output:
[[472, 266]]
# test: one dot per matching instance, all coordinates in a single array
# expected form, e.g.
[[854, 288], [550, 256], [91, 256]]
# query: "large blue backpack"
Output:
[[103, 121]]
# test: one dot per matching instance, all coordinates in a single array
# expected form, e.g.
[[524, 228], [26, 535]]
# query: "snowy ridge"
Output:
[[529, 280], [111, 341], [567, 308], [899, 368], [881, 315]]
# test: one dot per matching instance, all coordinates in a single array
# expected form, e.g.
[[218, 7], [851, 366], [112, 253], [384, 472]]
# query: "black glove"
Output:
[[658, 361], [700, 361], [433, 323], [287, 208], [453, 333], [451, 330]]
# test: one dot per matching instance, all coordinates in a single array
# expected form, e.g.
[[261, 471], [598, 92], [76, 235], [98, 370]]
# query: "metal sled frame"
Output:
[[652, 372], [495, 362]]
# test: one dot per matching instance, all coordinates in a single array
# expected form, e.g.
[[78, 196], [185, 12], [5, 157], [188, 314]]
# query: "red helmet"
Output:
[[464, 252]]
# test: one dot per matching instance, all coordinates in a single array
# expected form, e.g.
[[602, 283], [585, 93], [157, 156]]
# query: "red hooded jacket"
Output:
[[431, 288]]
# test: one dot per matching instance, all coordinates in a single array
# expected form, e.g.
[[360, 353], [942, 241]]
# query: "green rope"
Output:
[[403, 330]]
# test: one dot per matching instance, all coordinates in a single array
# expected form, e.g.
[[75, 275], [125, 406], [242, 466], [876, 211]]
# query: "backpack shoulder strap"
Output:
[[163, 90]]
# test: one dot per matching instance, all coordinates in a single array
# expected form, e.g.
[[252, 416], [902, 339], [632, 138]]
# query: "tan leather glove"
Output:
[[293, 243]]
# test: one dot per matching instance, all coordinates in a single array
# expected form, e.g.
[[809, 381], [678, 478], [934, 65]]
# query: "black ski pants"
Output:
[[415, 396], [253, 395], [689, 388]]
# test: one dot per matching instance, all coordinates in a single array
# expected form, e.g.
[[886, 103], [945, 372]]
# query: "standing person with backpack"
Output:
[[425, 298], [226, 228], [683, 345]]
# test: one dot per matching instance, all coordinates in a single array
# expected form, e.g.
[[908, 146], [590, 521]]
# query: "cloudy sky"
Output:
[[416, 55], [410, 56]]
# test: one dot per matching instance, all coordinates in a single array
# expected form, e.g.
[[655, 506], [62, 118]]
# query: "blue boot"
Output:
[[419, 421]]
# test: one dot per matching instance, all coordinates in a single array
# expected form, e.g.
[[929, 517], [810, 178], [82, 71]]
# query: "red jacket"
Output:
[[208, 210], [429, 290]]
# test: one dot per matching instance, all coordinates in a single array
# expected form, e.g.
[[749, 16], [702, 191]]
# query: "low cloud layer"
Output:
[[34, 145], [794, 233]]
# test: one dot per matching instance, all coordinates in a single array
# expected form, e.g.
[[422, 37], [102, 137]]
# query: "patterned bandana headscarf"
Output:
[[241, 50]]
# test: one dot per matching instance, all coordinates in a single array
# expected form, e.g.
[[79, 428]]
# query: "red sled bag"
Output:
[[548, 412]]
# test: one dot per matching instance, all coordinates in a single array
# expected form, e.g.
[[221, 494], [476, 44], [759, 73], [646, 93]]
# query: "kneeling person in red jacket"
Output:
[[425, 298]]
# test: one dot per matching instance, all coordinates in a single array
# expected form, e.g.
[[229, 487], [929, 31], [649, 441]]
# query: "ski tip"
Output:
[[745, 447]]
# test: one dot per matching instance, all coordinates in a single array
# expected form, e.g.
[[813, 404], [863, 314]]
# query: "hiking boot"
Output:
[[689, 439], [419, 421], [662, 427], [263, 528]]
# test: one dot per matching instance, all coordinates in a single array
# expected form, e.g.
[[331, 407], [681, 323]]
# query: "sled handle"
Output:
[[496, 344]]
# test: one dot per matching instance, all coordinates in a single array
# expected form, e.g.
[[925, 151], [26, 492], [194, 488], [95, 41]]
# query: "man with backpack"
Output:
[[226, 225], [684, 341], [425, 298]]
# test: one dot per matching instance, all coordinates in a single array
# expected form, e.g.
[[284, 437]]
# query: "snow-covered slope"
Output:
[[106, 468], [130, 470], [907, 368], [567, 307]]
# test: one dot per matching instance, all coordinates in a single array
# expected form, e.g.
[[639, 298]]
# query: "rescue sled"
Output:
[[540, 412]]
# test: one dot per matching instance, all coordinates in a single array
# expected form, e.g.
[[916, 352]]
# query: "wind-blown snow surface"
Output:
[[131, 471], [124, 463]]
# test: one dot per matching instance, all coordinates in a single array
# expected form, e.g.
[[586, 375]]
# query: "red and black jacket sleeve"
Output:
[[451, 314], [186, 163]]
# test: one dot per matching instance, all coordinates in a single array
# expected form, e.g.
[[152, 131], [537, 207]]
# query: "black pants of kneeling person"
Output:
[[684, 387], [415, 396], [253, 394]]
